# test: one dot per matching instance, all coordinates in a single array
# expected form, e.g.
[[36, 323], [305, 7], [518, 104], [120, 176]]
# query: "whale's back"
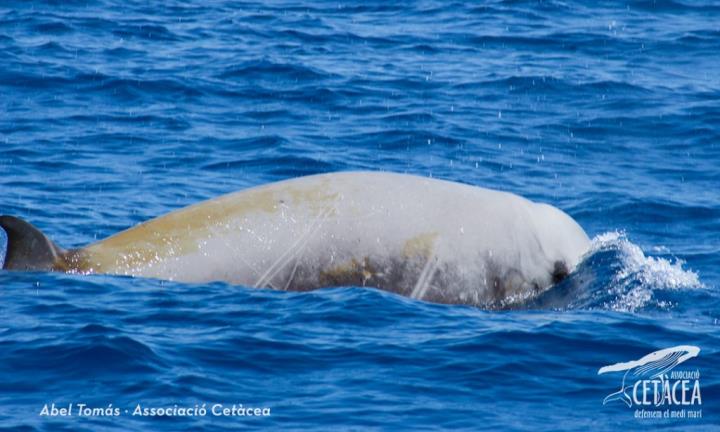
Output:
[[425, 238]]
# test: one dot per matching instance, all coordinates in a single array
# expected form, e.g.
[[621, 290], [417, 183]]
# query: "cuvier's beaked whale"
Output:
[[424, 238]]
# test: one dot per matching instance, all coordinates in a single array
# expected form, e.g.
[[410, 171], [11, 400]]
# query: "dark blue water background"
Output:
[[114, 112]]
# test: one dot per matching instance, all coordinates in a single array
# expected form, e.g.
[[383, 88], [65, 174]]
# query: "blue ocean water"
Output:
[[113, 112]]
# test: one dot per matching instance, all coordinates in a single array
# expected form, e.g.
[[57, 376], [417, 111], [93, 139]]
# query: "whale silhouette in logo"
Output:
[[652, 366], [425, 238]]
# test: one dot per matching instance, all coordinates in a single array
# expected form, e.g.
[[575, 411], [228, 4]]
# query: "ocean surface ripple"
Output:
[[113, 112]]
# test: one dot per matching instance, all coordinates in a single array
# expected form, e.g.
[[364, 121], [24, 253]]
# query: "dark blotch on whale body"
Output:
[[560, 272]]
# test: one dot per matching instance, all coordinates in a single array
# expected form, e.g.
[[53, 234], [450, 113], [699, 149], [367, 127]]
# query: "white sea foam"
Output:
[[641, 275]]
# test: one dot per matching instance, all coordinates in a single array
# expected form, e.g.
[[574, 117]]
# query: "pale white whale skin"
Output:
[[425, 238]]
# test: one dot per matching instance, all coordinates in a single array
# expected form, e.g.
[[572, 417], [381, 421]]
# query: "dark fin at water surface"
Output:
[[27, 248]]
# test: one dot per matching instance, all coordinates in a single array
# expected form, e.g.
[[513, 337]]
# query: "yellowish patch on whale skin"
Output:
[[421, 245], [353, 272], [182, 232]]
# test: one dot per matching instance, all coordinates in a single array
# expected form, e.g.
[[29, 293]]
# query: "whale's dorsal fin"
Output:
[[28, 248]]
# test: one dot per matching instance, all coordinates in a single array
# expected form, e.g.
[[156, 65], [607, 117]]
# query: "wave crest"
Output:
[[617, 275], [638, 279]]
